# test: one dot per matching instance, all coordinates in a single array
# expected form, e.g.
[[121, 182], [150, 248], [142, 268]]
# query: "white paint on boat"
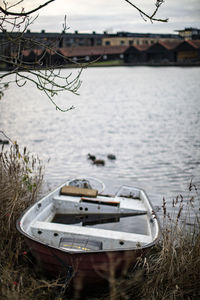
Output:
[[37, 221]]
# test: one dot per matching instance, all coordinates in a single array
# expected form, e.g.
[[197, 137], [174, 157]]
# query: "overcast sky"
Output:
[[113, 15]]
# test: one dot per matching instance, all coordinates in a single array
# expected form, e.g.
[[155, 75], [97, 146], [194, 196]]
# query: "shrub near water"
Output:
[[20, 180]]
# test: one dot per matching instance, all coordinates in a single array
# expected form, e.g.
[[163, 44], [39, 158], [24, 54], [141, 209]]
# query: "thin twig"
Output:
[[151, 18], [7, 13]]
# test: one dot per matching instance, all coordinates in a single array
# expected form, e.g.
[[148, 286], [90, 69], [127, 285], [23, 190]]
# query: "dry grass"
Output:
[[171, 269], [20, 180]]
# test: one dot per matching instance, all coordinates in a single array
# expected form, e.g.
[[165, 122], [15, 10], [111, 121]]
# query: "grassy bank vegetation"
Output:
[[170, 271], [20, 181]]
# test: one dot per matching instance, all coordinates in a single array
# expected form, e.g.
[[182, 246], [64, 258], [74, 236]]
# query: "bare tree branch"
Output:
[[22, 13], [47, 80], [143, 14]]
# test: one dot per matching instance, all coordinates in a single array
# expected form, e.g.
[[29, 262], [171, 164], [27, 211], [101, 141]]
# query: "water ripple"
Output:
[[148, 117]]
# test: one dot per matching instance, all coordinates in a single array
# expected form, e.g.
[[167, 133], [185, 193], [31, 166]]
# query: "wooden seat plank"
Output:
[[76, 191]]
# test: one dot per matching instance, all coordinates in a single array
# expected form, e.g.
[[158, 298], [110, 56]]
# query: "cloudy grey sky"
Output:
[[114, 15]]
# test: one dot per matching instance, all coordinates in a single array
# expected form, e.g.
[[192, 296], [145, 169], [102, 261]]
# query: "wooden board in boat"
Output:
[[77, 191]]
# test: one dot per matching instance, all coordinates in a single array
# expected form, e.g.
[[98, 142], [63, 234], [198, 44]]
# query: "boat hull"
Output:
[[93, 255], [88, 268]]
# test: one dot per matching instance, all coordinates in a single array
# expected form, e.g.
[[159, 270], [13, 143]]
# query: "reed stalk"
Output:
[[173, 271], [170, 271], [21, 177]]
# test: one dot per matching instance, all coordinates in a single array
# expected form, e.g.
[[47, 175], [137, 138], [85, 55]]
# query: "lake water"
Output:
[[149, 117]]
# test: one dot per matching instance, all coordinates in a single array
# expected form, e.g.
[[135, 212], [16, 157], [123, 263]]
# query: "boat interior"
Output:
[[79, 219]]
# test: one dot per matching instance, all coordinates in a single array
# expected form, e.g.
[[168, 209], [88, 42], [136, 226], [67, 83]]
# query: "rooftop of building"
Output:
[[78, 34], [101, 50]]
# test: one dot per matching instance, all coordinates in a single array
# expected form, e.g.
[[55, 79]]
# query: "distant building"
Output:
[[188, 50], [53, 49], [137, 39], [9, 41], [136, 54], [70, 55], [189, 33]]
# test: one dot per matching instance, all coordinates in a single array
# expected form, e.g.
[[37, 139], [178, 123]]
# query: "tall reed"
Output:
[[20, 180], [171, 270]]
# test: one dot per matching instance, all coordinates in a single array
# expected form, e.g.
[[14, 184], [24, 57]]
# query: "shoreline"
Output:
[[110, 64]]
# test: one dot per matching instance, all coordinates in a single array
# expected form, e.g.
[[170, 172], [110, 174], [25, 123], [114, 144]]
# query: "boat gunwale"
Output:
[[26, 235]]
